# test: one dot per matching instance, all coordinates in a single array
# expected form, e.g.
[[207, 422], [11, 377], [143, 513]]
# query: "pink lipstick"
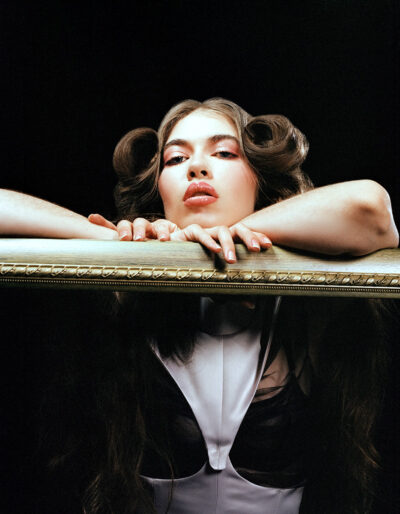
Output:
[[198, 194]]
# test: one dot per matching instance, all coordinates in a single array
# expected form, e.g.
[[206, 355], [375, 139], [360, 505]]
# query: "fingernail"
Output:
[[231, 256], [124, 235], [163, 237], [137, 237], [254, 244], [265, 240]]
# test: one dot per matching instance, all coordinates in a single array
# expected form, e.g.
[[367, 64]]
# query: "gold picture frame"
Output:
[[189, 268]]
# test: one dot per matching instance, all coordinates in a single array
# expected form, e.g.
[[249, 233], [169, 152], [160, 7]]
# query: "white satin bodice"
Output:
[[219, 383]]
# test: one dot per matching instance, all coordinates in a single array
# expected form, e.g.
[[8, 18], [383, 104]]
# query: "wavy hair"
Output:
[[273, 146], [345, 397]]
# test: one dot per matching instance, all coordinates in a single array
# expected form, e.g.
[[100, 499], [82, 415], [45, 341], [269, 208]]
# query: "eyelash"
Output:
[[174, 160], [229, 156], [181, 158]]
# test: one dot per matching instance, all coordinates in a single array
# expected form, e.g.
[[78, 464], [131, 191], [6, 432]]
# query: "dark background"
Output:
[[77, 76]]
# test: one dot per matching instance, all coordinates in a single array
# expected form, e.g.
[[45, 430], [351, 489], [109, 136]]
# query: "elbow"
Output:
[[380, 212], [373, 211]]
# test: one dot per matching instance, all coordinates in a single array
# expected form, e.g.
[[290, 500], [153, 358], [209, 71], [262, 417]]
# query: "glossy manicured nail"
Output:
[[254, 244], [124, 235], [138, 237], [231, 256]]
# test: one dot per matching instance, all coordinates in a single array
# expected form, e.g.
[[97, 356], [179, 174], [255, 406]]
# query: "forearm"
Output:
[[24, 215], [350, 217]]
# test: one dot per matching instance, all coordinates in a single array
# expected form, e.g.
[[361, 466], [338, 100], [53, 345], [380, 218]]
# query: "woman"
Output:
[[223, 406]]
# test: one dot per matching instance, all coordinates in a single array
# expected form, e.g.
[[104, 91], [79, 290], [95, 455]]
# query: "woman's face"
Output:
[[205, 178]]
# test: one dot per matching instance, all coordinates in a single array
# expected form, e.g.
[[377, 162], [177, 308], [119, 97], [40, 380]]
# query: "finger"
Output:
[[254, 241], [179, 235], [124, 228], [162, 229], [226, 241], [244, 234], [265, 242], [98, 219], [141, 229], [171, 227], [198, 234]]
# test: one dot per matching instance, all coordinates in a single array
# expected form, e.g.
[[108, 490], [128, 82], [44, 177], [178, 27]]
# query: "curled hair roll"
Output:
[[276, 149], [136, 162], [273, 146]]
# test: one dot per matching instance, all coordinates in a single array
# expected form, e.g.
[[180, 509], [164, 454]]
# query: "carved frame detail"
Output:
[[186, 278]]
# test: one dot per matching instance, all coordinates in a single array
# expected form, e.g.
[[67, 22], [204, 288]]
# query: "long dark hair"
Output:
[[349, 364]]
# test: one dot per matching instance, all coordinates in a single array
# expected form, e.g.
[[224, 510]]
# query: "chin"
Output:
[[207, 220]]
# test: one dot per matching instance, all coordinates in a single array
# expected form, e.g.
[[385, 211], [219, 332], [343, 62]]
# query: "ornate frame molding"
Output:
[[177, 267]]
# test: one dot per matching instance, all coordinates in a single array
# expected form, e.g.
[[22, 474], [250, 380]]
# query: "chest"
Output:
[[224, 404]]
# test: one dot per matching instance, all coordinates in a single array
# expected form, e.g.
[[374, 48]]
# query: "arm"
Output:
[[24, 215], [350, 217]]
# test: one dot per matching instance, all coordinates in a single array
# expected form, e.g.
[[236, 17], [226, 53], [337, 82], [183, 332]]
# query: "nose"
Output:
[[198, 173], [198, 168]]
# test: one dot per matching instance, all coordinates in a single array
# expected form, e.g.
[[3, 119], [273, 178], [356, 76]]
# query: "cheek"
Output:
[[167, 190], [244, 184], [163, 186]]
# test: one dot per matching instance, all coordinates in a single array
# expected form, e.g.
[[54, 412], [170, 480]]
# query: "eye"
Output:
[[226, 155], [175, 160]]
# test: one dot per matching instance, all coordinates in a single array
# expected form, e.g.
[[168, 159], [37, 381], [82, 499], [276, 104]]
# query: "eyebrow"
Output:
[[212, 139]]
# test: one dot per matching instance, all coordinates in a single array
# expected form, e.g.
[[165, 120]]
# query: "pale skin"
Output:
[[352, 217], [25, 215]]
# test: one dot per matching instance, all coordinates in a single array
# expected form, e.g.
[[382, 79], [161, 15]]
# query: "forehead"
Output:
[[202, 124]]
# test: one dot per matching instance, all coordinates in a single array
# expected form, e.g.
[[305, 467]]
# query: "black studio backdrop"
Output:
[[78, 75]]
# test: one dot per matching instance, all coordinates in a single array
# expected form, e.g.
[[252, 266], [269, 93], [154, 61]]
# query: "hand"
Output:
[[208, 237], [138, 230]]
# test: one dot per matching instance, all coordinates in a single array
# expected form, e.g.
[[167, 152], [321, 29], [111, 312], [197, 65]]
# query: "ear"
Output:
[[134, 152]]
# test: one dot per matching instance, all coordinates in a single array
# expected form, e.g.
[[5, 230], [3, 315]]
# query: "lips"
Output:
[[199, 193]]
